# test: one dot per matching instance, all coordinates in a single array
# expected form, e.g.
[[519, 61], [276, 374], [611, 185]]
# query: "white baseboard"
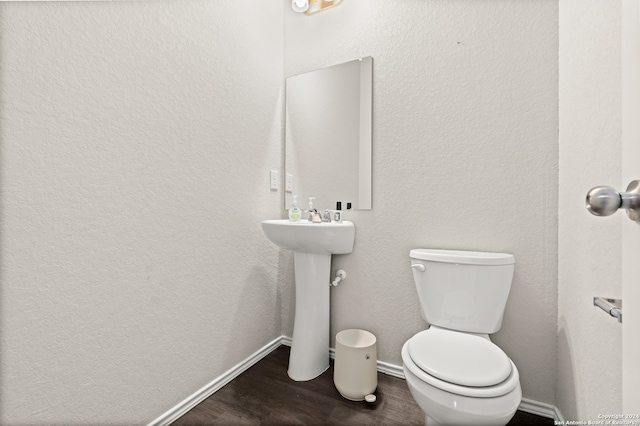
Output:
[[286, 340], [382, 367], [527, 405], [541, 409], [209, 389]]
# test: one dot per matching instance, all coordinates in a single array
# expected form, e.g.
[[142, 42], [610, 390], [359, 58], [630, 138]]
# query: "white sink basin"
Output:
[[312, 245], [309, 237]]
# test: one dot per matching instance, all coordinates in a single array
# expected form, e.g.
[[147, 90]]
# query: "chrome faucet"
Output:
[[314, 216]]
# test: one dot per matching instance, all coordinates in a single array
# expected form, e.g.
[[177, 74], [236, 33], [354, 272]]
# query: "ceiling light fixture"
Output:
[[300, 5], [309, 7]]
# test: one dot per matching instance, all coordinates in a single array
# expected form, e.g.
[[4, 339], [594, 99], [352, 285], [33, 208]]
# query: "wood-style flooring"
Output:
[[264, 395]]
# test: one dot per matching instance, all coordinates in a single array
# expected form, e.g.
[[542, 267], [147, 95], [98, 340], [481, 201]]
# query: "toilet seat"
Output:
[[499, 389], [459, 358]]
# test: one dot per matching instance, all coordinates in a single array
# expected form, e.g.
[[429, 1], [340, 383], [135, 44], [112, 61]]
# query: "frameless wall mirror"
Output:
[[328, 136]]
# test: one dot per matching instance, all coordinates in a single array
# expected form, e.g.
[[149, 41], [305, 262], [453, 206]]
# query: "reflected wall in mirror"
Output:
[[328, 136]]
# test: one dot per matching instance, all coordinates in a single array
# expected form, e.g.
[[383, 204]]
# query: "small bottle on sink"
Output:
[[337, 217], [294, 212]]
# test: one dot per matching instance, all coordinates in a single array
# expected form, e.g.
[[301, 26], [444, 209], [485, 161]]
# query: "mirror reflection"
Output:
[[328, 136]]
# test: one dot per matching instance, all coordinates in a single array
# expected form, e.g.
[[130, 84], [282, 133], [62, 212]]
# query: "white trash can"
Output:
[[355, 372]]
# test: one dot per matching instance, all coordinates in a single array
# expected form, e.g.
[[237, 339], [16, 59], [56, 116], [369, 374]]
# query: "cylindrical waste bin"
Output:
[[355, 371]]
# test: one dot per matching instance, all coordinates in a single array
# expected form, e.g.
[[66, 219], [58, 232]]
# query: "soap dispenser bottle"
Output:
[[294, 212], [314, 216]]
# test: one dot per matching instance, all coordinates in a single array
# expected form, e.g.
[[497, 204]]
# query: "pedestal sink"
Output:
[[312, 245]]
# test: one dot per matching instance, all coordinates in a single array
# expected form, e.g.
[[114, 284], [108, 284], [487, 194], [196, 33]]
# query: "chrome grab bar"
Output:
[[611, 306]]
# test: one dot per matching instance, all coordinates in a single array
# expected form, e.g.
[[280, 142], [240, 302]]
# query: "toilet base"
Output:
[[445, 408], [453, 411]]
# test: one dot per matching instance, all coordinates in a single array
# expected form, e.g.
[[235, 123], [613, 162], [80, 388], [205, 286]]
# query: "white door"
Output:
[[630, 230]]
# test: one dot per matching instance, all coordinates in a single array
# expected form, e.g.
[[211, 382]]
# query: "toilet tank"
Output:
[[462, 290]]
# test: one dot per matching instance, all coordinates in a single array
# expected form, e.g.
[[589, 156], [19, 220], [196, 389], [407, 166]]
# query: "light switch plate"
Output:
[[274, 180], [288, 183]]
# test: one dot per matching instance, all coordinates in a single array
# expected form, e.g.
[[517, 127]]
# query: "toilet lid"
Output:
[[459, 358]]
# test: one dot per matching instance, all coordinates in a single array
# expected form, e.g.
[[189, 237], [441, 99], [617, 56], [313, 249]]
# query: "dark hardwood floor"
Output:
[[264, 395]]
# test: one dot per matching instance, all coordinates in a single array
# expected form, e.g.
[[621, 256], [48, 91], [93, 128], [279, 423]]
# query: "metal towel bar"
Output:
[[611, 306]]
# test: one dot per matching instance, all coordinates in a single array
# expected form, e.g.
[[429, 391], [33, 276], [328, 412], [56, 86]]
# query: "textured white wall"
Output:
[[589, 342], [465, 156], [135, 145], [127, 191]]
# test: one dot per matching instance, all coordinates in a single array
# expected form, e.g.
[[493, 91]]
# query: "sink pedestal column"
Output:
[[310, 343]]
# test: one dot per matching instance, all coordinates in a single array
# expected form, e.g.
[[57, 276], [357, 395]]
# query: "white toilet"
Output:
[[453, 370]]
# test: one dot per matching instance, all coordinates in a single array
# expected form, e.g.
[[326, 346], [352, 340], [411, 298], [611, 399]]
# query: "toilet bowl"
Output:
[[448, 403], [454, 372]]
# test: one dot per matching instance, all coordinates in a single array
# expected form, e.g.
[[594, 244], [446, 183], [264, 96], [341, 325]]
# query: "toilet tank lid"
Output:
[[463, 257]]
